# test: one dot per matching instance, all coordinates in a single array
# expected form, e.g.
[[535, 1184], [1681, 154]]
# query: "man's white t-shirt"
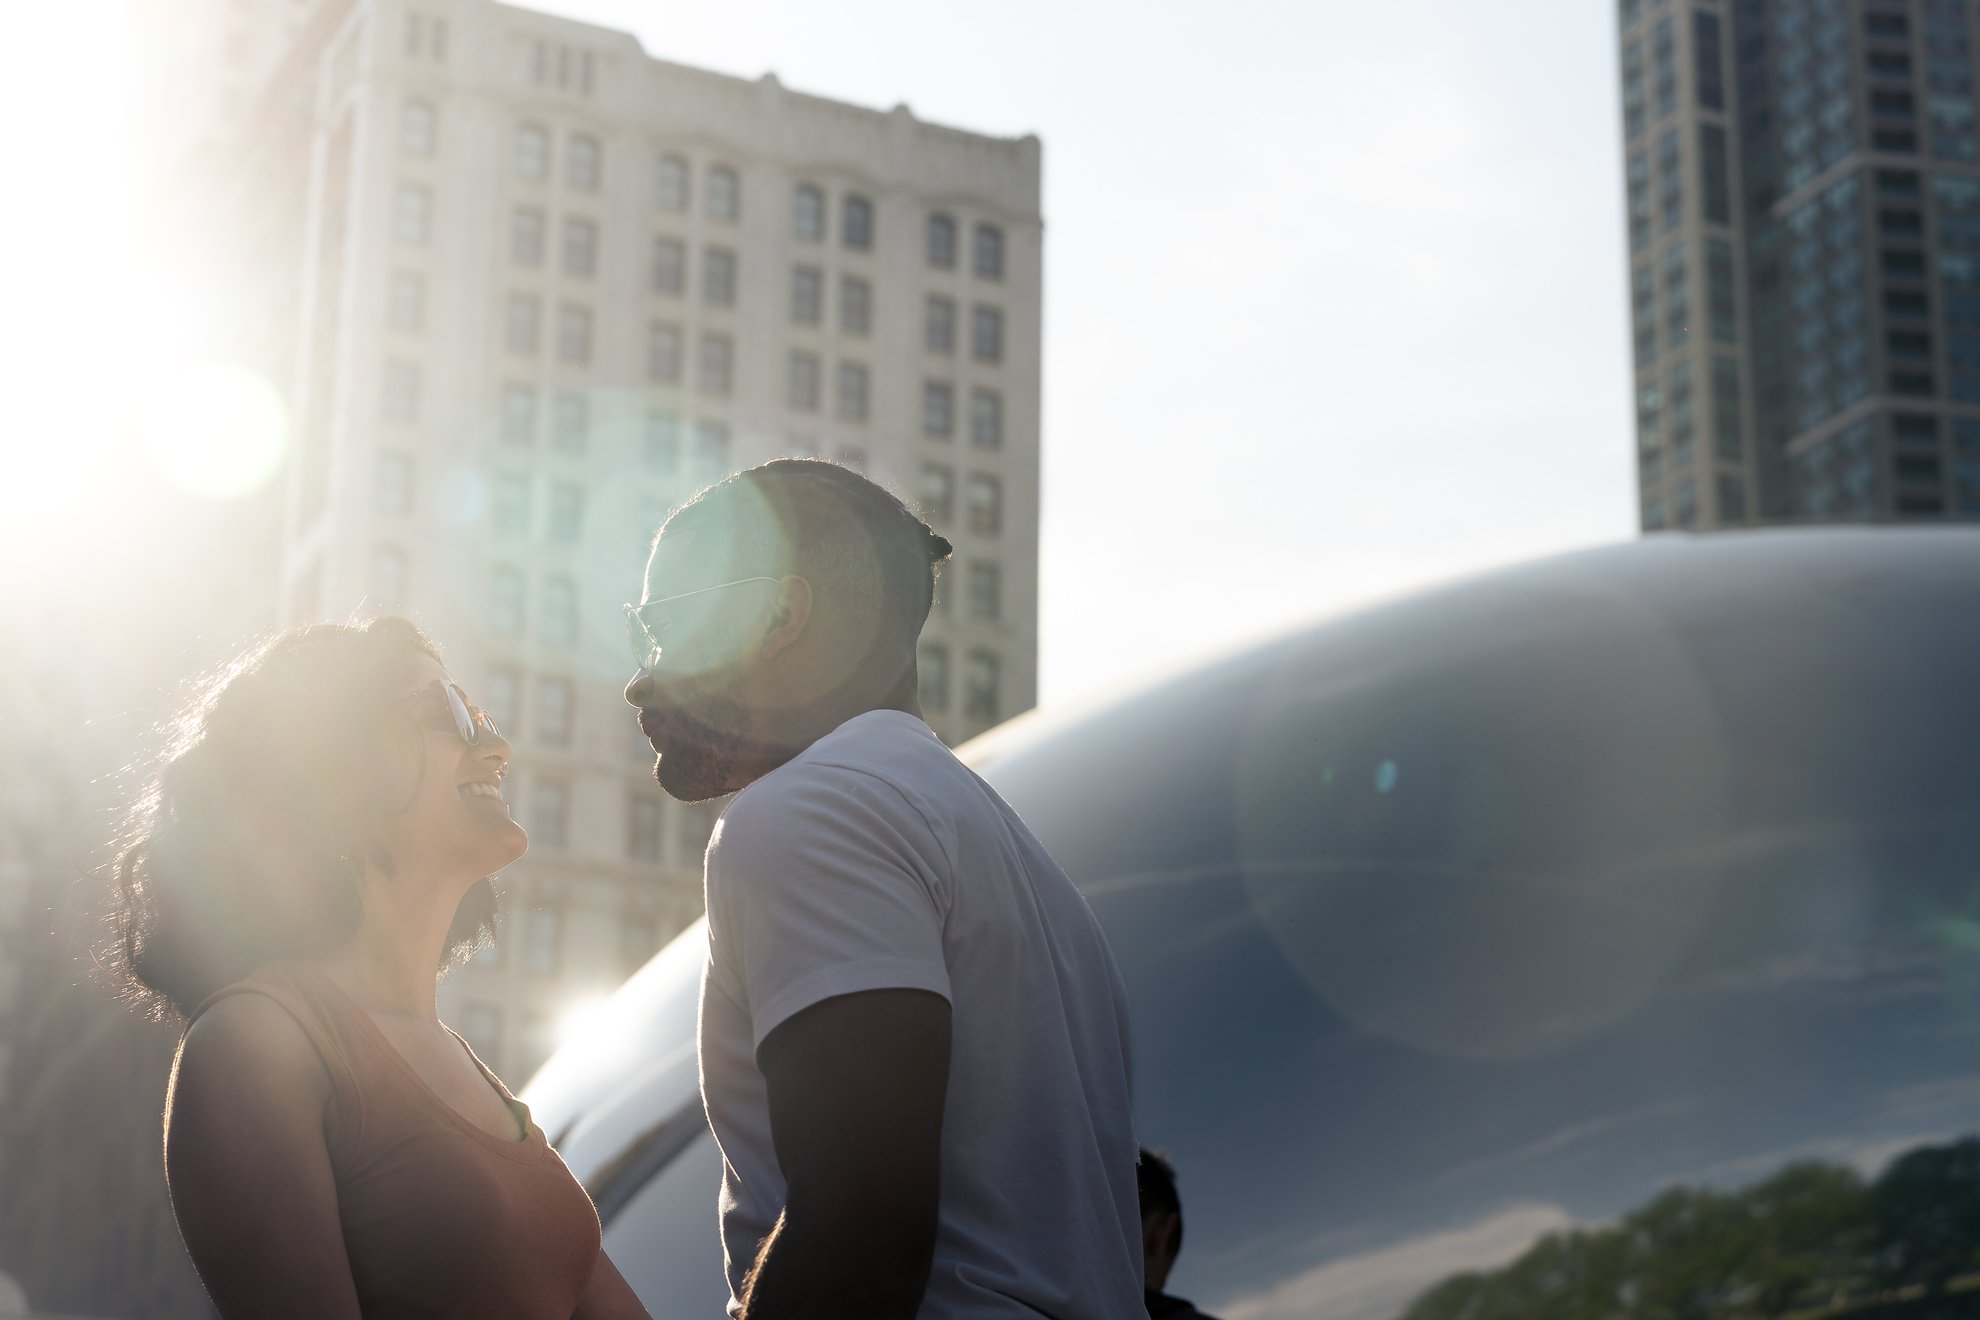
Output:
[[876, 860]]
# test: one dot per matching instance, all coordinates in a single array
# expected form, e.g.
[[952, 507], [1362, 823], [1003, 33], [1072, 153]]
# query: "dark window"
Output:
[[669, 266], [1714, 186], [942, 241], [989, 264], [718, 277], [717, 374], [1709, 59], [856, 222], [807, 295]]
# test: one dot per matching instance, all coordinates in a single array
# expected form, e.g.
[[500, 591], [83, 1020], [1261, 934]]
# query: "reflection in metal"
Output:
[[1493, 913]]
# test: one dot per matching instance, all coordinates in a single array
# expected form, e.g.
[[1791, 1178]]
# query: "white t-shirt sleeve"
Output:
[[829, 885]]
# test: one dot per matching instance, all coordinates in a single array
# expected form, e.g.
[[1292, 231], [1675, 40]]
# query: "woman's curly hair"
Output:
[[246, 845]]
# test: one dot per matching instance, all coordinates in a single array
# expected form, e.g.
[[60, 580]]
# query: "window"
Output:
[[855, 305], [549, 825], [394, 490], [1641, 213], [518, 414], [1715, 189], [697, 823], [581, 167], [942, 241], [416, 125], [711, 449], [856, 222], [1721, 301], [986, 419], [501, 696], [1671, 195], [807, 295], [717, 364], [505, 602], [400, 396], [989, 252], [718, 277], [574, 334], [938, 494], [938, 409], [986, 504], [808, 213], [852, 392], [801, 389], [1732, 499], [985, 591], [663, 353], [553, 711], [660, 448], [580, 248], [671, 188], [1709, 59], [532, 152], [389, 571], [986, 334], [412, 213], [570, 422], [669, 267], [1643, 305], [1664, 44], [566, 512], [1634, 107], [521, 321], [526, 236], [724, 194], [980, 696], [559, 625], [938, 324], [933, 673], [1677, 295], [406, 308], [642, 826], [511, 504]]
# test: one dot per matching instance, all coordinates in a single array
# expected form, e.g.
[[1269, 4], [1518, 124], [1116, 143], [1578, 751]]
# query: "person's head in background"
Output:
[[328, 786], [1161, 1218], [777, 604]]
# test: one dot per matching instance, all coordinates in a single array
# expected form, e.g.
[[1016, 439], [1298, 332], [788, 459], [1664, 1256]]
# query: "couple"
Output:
[[914, 1045]]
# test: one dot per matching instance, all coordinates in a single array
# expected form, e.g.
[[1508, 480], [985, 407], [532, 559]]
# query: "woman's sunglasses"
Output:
[[465, 719]]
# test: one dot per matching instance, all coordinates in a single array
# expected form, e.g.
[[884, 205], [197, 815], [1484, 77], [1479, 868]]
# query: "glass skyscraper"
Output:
[[1804, 251]]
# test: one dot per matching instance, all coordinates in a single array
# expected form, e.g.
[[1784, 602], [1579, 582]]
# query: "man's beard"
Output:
[[704, 755]]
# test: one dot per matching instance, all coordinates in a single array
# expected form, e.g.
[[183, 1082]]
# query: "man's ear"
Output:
[[788, 617]]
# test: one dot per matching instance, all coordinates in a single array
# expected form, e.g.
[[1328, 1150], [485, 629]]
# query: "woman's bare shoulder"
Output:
[[250, 1044]]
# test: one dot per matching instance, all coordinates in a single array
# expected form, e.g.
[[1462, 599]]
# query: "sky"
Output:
[[1335, 293]]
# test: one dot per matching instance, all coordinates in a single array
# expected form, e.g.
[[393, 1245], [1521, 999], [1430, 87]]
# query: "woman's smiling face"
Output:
[[455, 820]]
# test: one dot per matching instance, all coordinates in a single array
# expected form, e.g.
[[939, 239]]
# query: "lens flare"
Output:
[[216, 430]]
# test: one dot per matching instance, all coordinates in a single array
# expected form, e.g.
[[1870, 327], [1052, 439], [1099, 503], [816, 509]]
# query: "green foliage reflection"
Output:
[[1815, 1240]]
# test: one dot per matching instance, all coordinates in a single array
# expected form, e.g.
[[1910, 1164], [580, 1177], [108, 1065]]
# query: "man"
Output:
[[914, 1042], [1161, 1236]]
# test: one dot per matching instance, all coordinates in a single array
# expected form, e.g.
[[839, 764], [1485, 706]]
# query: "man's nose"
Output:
[[639, 692]]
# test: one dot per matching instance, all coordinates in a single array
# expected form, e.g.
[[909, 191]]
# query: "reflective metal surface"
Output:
[[1499, 912]]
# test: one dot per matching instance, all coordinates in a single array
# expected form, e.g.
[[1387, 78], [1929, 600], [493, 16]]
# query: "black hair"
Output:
[[1155, 1178], [245, 845], [847, 535]]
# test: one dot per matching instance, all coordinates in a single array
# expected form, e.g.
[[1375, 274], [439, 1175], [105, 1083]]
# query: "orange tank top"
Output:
[[439, 1217]]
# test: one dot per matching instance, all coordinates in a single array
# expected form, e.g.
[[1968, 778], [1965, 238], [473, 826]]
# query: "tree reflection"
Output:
[[1815, 1240]]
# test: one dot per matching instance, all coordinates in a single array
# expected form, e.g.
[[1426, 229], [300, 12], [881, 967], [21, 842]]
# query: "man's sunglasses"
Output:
[[645, 628], [462, 717]]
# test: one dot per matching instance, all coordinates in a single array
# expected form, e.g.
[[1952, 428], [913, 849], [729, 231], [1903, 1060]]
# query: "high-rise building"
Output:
[[550, 287], [1803, 183]]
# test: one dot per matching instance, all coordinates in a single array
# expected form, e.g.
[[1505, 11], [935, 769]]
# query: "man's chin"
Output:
[[687, 778]]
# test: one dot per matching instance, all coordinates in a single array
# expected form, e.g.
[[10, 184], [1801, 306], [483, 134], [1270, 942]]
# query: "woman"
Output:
[[315, 849]]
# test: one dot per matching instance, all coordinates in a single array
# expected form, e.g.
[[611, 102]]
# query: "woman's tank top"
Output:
[[440, 1218]]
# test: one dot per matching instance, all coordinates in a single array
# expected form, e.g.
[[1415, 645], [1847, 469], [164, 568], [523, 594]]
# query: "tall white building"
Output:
[[550, 287]]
